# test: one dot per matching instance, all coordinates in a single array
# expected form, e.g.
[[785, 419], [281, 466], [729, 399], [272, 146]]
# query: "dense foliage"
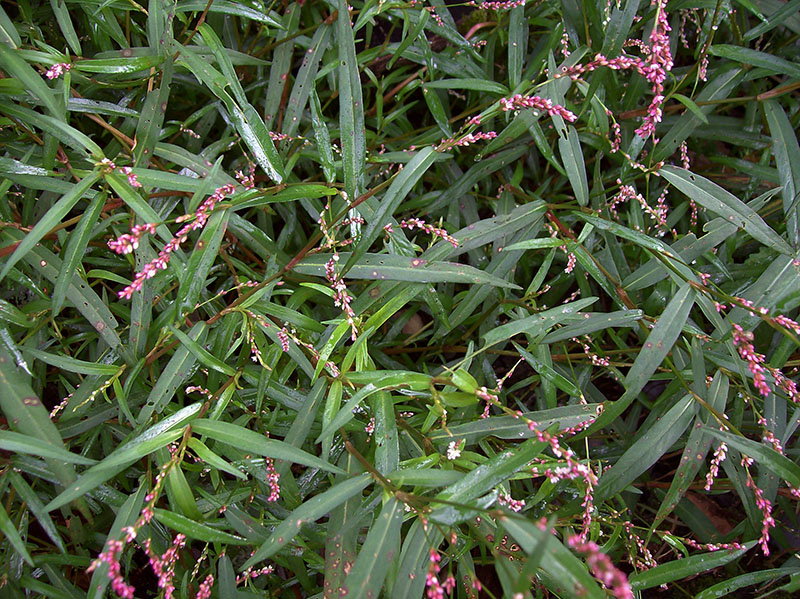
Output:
[[396, 299]]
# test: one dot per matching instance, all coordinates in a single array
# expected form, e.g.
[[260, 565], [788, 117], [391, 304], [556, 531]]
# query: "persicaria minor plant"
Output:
[[399, 299]]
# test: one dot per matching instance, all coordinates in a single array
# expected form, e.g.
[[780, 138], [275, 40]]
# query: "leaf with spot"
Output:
[[715, 199], [377, 553], [685, 567], [24, 412], [251, 441], [647, 448], [308, 512], [50, 220], [173, 375], [656, 347], [392, 267]]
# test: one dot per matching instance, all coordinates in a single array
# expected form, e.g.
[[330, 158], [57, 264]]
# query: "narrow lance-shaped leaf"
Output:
[[655, 348], [719, 201], [311, 510], [50, 220], [375, 558]]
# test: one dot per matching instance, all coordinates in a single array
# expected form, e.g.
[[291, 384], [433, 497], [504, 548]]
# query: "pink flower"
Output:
[[602, 568], [520, 102], [58, 69], [198, 221], [273, 479], [204, 591]]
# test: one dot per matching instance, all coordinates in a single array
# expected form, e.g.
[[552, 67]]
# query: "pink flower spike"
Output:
[[204, 591], [520, 102], [58, 69], [132, 180]]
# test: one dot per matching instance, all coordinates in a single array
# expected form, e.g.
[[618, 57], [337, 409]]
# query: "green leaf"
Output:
[[787, 159], [775, 20], [203, 356], [375, 558], [195, 530], [151, 117], [415, 560], [646, 450], [83, 297], [509, 427], [24, 411], [394, 196], [19, 443], [351, 106], [726, 587], [11, 533], [15, 66], [693, 108], [658, 344], [488, 475], [73, 365], [112, 465], [694, 453], [714, 198], [517, 44], [538, 324], [35, 505], [572, 158], [76, 247], [8, 33], [307, 513], [392, 267], [685, 567], [304, 82], [756, 58], [51, 218], [548, 373], [58, 129], [251, 441], [212, 459], [173, 375], [228, 7], [479, 85], [65, 24]]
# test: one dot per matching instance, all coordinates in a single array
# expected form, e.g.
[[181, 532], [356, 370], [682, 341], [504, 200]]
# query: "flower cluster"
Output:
[[743, 340], [411, 223], [602, 567], [125, 244], [464, 140], [435, 589], [198, 221], [617, 64], [497, 5], [111, 557], [341, 298], [164, 565], [658, 63], [628, 193], [273, 479], [58, 69], [515, 505], [453, 451], [520, 102], [763, 504], [204, 591], [713, 470]]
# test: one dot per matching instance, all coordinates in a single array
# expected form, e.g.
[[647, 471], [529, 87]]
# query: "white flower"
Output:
[[453, 452]]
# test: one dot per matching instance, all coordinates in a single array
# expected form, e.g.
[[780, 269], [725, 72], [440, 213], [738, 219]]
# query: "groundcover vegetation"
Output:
[[395, 299]]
